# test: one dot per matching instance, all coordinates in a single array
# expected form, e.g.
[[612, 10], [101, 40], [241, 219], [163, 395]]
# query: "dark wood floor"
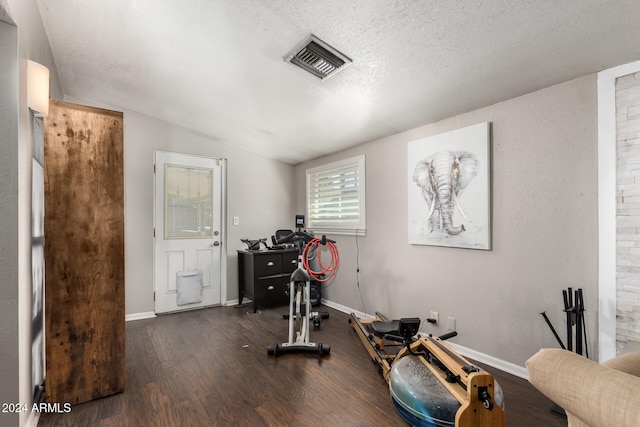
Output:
[[210, 367]]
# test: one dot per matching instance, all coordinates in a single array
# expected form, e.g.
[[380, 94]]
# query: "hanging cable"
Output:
[[327, 272]]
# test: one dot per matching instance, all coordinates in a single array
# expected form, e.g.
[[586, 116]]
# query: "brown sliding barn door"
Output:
[[84, 253]]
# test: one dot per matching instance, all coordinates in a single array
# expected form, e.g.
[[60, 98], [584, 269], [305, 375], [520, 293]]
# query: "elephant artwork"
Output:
[[449, 188], [443, 177]]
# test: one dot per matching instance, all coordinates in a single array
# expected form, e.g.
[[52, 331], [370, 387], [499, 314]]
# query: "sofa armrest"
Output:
[[629, 363], [595, 394]]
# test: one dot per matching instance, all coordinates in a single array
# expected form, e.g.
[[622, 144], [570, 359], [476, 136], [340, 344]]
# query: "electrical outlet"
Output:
[[451, 323], [434, 316]]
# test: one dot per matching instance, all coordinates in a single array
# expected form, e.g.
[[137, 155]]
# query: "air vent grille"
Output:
[[318, 58]]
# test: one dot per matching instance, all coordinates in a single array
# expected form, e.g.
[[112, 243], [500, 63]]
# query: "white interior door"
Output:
[[188, 243]]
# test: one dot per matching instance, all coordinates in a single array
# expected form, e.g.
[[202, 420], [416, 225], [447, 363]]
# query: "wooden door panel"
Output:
[[84, 253]]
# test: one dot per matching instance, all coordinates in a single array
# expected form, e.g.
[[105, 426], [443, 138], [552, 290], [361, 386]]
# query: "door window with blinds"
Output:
[[335, 197], [188, 202]]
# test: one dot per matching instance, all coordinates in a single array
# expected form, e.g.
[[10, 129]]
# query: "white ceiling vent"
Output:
[[318, 58]]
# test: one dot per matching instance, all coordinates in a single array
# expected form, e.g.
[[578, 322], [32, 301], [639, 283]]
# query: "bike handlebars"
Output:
[[300, 236]]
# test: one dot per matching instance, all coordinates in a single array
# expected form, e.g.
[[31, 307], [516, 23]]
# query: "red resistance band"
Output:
[[326, 273]]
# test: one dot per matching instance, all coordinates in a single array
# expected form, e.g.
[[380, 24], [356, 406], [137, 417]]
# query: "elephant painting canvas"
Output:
[[441, 170], [442, 178]]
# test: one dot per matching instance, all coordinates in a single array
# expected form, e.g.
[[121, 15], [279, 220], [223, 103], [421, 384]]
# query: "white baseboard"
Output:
[[139, 316], [232, 302], [511, 368], [346, 309]]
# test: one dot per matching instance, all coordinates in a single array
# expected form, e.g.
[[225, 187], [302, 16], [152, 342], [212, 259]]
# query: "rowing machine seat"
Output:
[[380, 329], [404, 328]]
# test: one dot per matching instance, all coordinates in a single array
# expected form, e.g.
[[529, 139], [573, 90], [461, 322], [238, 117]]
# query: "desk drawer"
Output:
[[271, 292], [268, 264], [289, 262]]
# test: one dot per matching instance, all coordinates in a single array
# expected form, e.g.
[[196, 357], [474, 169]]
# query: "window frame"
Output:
[[353, 228]]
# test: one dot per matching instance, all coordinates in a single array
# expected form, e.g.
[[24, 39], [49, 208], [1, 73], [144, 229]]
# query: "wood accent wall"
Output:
[[84, 253]]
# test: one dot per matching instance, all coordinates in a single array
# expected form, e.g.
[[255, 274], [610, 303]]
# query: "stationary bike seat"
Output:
[[300, 275], [380, 329]]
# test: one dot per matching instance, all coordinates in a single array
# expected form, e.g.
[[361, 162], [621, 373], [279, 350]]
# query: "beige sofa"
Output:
[[592, 394]]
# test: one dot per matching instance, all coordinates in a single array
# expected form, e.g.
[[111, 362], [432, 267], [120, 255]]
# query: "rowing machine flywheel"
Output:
[[421, 398]]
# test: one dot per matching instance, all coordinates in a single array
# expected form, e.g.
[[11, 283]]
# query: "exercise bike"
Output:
[[300, 315], [430, 383]]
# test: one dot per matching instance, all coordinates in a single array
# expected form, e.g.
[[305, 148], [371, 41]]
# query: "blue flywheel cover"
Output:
[[419, 396], [421, 399]]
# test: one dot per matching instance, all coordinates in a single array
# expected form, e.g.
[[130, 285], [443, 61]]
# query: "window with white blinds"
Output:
[[335, 197]]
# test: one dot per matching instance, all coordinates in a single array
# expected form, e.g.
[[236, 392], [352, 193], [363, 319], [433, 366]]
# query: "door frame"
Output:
[[223, 224]]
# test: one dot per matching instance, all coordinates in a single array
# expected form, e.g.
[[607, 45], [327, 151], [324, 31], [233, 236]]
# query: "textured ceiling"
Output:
[[216, 66]]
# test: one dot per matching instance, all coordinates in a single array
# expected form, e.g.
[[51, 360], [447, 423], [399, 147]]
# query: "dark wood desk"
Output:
[[264, 275]]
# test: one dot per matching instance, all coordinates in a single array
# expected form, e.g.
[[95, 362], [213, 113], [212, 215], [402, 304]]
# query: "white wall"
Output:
[[9, 355], [31, 44], [544, 208], [259, 190]]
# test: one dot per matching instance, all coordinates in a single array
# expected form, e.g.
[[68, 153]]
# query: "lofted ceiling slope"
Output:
[[217, 67]]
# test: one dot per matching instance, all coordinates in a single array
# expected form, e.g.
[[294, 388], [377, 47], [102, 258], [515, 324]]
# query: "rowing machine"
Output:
[[430, 383]]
